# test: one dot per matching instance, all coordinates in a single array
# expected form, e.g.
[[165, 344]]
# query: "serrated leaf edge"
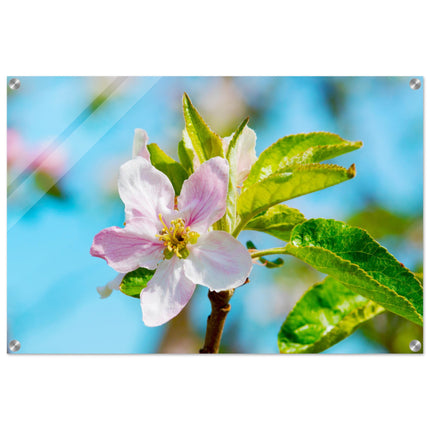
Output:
[[310, 167], [291, 245], [356, 144]]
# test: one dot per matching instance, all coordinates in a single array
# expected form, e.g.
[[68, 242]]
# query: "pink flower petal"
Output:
[[139, 144], [218, 261], [126, 249], [50, 161], [166, 294], [203, 197], [145, 191], [16, 151]]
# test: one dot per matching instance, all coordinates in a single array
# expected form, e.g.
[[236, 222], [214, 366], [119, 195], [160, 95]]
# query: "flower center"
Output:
[[176, 238]]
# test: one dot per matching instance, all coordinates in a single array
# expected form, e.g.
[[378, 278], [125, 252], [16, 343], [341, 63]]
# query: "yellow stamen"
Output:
[[176, 238], [162, 221]]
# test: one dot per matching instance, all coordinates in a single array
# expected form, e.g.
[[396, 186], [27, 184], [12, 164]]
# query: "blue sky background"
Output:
[[53, 305]]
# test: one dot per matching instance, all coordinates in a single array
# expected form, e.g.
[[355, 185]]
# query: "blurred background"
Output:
[[67, 137]]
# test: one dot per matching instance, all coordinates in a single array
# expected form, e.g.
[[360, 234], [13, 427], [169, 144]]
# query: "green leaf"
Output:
[[420, 277], [48, 184], [232, 158], [186, 157], [205, 142], [298, 149], [98, 101], [134, 282], [351, 256], [268, 263], [171, 168], [278, 221], [380, 222], [285, 186], [327, 313]]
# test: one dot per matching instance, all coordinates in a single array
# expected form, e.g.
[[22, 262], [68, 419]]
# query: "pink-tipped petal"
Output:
[[218, 261], [126, 249], [203, 197], [139, 144], [167, 293], [145, 191]]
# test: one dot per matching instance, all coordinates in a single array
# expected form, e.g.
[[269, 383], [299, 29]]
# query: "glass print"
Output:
[[215, 214]]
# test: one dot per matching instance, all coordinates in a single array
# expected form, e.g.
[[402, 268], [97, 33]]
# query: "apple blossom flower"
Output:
[[52, 161], [246, 155], [175, 242], [43, 158]]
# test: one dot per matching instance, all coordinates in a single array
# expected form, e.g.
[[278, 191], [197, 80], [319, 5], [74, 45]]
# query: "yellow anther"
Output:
[[176, 238]]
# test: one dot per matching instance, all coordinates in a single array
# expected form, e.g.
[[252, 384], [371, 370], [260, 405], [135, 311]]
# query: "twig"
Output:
[[215, 325]]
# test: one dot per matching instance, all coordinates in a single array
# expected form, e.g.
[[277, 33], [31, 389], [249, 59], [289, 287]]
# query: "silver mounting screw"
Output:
[[415, 84], [415, 345], [14, 345], [14, 84]]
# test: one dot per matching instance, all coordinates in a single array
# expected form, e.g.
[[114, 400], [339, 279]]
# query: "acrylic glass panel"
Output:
[[67, 138]]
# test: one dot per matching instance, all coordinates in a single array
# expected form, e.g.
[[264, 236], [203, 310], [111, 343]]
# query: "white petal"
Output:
[[226, 143], [246, 153], [116, 282], [139, 144], [106, 291], [145, 191], [167, 293], [189, 145], [218, 261]]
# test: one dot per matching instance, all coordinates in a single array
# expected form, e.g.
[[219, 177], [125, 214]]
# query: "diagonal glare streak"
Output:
[[80, 119], [149, 83]]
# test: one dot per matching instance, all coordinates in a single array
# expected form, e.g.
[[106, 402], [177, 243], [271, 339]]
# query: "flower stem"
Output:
[[239, 228], [270, 251], [215, 325]]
